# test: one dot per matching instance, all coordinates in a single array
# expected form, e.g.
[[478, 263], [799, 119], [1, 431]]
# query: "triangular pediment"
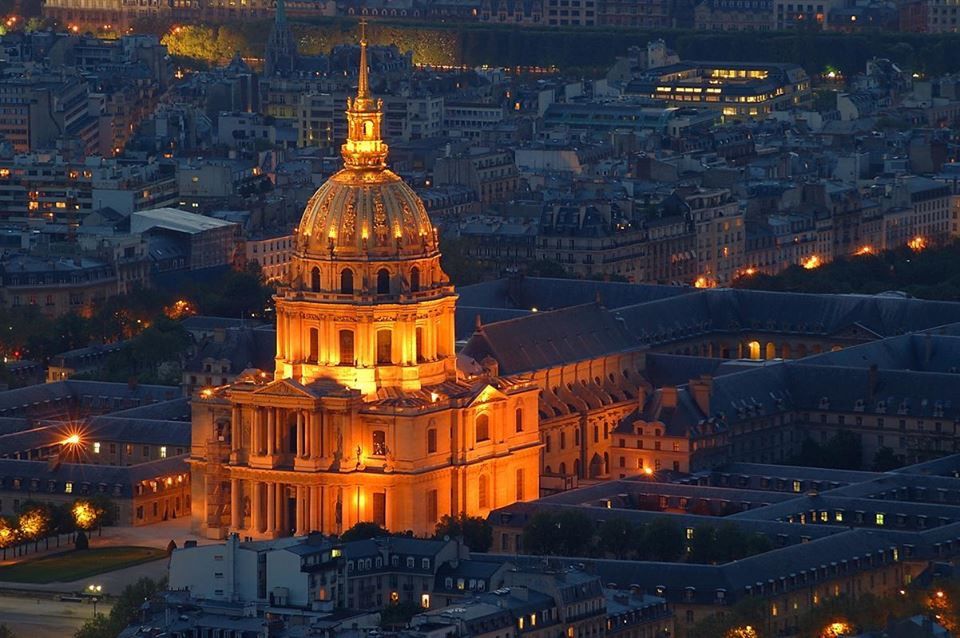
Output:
[[487, 394], [285, 388]]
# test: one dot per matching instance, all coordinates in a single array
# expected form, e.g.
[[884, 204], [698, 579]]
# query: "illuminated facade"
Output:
[[367, 416], [735, 89]]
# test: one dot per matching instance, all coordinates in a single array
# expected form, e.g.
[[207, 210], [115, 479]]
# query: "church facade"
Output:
[[367, 415]]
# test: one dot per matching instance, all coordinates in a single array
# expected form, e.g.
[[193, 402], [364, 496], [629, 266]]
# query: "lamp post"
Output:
[[94, 591]]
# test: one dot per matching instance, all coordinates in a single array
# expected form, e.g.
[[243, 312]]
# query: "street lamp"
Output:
[[94, 591]]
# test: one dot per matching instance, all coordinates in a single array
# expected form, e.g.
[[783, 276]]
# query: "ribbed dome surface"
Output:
[[365, 212]]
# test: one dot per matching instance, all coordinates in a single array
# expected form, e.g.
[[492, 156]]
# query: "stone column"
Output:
[[271, 431], [281, 336], [236, 514], [315, 524], [301, 436], [271, 508], [301, 509], [256, 515], [235, 419], [314, 423]]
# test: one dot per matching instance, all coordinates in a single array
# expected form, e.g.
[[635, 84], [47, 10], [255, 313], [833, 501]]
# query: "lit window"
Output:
[[163, 451], [96, 448], [879, 519], [425, 601], [68, 488]]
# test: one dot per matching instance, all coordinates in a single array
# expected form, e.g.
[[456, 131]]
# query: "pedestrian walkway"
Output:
[[158, 535]]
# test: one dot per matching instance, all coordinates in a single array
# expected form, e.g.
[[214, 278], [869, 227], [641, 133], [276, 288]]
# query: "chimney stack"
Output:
[[872, 381], [700, 389], [668, 396]]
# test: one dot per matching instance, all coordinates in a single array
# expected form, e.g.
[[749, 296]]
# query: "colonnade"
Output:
[[269, 431], [270, 512]]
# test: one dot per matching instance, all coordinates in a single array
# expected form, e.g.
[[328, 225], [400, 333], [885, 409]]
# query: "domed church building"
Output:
[[366, 416]]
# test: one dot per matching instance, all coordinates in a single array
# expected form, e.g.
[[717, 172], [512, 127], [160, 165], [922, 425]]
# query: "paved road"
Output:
[[45, 617]]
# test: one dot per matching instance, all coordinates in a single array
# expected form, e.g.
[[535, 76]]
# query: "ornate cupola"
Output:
[[367, 303]]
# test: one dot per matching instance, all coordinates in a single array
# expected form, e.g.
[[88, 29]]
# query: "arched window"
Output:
[[383, 282], [367, 129], [563, 469], [483, 428], [384, 347], [379, 447], [519, 419], [414, 279], [431, 440], [314, 354], [346, 348], [483, 492], [346, 282], [419, 333], [315, 279]]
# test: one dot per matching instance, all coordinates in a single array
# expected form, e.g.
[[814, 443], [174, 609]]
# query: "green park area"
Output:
[[69, 566]]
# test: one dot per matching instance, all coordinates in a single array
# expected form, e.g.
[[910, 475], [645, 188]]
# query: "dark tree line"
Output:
[[572, 533]]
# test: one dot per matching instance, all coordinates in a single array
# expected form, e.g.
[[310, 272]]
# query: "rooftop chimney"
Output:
[[700, 389], [668, 396], [872, 381]]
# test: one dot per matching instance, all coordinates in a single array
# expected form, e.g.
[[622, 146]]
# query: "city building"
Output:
[[271, 253], [71, 440], [48, 186], [56, 285], [737, 90]]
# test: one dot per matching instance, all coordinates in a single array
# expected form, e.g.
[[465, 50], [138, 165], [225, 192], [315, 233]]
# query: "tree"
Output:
[[885, 460], [616, 537], [703, 548], [99, 626], [362, 531], [476, 532], [575, 531], [539, 534], [663, 540], [565, 533], [9, 534]]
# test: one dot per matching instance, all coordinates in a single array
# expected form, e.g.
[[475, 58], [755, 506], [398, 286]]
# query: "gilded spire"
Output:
[[364, 148], [363, 85]]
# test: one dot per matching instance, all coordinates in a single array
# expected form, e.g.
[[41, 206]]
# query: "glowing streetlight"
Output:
[[94, 591], [72, 439]]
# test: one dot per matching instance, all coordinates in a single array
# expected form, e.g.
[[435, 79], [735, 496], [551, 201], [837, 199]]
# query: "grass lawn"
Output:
[[73, 565]]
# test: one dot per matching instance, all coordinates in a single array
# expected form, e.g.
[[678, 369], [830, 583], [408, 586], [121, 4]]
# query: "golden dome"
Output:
[[365, 209], [365, 212]]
